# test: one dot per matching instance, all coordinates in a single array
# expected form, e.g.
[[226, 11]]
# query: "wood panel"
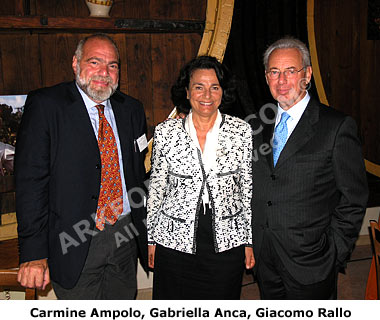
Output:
[[57, 51], [7, 202], [9, 256], [7, 184], [150, 62], [7, 195], [20, 63], [59, 8], [142, 9], [349, 65], [369, 89], [136, 75], [8, 7], [167, 59], [129, 9]]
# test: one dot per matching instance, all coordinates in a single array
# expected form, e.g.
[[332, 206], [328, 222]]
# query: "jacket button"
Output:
[[94, 197], [269, 203], [98, 166], [273, 177]]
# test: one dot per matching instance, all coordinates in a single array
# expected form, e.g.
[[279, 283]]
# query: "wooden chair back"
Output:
[[9, 268], [375, 239]]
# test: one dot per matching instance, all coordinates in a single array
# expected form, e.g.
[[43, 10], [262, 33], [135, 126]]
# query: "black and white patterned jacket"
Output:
[[178, 180]]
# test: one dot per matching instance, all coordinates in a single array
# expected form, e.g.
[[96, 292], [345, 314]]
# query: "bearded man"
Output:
[[80, 149]]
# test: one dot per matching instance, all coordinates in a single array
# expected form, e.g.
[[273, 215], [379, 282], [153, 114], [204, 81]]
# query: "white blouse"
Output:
[[210, 147]]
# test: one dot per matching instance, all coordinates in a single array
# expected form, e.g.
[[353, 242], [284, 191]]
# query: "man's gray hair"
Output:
[[288, 43], [101, 36]]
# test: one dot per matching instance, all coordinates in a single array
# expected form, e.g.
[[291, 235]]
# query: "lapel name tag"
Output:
[[142, 143]]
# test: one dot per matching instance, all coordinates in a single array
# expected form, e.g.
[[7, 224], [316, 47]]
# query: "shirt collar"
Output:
[[89, 103], [294, 112], [189, 125]]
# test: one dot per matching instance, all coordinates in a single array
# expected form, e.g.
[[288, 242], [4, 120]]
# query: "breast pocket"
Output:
[[232, 215], [316, 170], [227, 173], [317, 164], [177, 180], [320, 157]]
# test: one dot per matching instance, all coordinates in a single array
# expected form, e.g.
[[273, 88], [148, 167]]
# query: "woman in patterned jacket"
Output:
[[199, 204]]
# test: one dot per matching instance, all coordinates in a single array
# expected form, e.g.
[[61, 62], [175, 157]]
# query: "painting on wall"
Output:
[[373, 22], [11, 108]]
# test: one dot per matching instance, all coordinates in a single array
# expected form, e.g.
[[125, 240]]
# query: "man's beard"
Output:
[[96, 94]]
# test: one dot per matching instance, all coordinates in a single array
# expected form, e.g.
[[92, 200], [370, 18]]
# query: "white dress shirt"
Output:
[[294, 112]]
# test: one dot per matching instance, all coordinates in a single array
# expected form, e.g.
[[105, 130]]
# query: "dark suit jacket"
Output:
[[313, 202], [57, 171]]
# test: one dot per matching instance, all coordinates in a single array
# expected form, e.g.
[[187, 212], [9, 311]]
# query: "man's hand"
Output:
[[34, 274], [151, 255], [249, 258]]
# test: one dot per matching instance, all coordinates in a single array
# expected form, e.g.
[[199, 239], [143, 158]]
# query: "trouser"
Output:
[[276, 283], [110, 268]]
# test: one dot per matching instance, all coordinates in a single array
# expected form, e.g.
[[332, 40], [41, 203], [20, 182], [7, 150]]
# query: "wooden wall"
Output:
[[36, 57], [350, 66]]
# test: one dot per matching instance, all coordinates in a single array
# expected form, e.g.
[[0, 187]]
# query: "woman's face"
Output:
[[204, 92]]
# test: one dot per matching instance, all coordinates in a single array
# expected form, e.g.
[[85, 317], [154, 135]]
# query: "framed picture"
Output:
[[11, 108]]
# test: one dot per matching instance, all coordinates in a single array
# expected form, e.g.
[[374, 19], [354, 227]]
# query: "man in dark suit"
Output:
[[79, 171], [310, 189]]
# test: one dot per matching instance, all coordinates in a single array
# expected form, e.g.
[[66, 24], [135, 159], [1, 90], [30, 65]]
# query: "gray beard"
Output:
[[96, 95]]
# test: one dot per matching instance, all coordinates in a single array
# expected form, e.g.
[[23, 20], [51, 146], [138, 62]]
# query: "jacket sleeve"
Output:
[[32, 175], [157, 184], [246, 182], [350, 177]]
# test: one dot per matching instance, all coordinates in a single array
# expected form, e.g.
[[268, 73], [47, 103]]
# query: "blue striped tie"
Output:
[[280, 135]]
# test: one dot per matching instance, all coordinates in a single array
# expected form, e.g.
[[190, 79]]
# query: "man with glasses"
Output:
[[310, 190]]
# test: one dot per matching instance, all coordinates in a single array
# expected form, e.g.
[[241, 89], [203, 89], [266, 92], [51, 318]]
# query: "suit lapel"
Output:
[[80, 119], [303, 132], [268, 129], [267, 139]]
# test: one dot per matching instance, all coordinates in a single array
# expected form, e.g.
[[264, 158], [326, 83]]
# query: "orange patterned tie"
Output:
[[110, 203]]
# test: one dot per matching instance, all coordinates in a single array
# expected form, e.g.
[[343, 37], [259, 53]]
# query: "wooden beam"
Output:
[[218, 27], [44, 23]]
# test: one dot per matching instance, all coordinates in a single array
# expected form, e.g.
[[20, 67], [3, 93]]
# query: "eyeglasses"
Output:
[[289, 73]]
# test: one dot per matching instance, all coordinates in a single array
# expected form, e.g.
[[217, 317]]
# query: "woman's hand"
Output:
[[151, 254], [249, 258]]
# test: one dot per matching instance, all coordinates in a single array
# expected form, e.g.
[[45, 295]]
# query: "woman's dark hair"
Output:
[[225, 78]]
